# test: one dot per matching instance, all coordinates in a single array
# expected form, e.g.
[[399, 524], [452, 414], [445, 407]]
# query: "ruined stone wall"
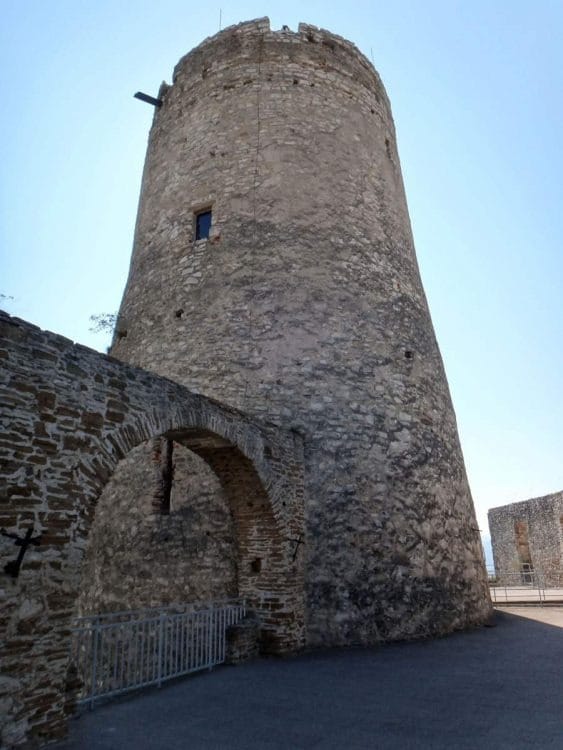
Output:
[[529, 531], [68, 415], [305, 307]]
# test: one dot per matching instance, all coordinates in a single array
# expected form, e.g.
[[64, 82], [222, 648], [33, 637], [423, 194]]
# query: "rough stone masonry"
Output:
[[344, 514], [528, 536], [304, 306]]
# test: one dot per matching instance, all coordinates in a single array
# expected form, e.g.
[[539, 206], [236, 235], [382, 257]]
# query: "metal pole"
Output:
[[161, 625], [209, 640], [94, 663]]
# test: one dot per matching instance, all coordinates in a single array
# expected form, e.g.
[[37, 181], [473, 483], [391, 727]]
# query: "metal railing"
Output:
[[523, 586], [526, 586], [120, 651]]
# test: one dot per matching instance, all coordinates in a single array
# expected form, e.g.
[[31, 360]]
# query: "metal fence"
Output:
[[121, 651], [526, 586]]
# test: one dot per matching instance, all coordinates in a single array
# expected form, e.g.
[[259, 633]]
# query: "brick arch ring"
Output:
[[206, 425]]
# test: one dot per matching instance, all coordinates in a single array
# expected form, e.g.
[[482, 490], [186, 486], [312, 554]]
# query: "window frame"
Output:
[[199, 212]]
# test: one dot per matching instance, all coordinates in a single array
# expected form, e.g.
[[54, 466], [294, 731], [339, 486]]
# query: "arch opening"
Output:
[[218, 538]]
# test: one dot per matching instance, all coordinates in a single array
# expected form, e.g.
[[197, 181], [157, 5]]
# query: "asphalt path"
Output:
[[492, 687]]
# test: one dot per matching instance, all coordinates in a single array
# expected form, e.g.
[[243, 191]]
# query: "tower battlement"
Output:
[[254, 41]]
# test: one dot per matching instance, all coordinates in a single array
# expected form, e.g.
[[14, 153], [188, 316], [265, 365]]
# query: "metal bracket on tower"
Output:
[[148, 99]]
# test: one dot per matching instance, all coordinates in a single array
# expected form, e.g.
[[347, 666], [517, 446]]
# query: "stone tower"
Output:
[[274, 270]]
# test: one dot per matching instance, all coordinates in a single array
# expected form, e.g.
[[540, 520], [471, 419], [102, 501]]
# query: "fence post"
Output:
[[161, 626], [209, 640], [94, 662]]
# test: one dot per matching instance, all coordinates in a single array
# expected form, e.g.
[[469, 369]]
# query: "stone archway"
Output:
[[263, 546], [72, 415]]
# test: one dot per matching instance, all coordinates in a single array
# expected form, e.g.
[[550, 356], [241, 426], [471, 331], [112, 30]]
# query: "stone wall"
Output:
[[529, 533], [137, 558], [242, 641], [305, 308], [68, 416]]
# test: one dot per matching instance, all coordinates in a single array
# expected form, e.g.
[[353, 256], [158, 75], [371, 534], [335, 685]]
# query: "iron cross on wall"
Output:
[[12, 568]]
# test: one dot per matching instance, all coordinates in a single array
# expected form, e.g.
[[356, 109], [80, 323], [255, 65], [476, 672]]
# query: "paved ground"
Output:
[[547, 614], [492, 688]]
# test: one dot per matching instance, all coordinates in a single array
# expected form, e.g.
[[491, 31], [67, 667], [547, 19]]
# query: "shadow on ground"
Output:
[[495, 688]]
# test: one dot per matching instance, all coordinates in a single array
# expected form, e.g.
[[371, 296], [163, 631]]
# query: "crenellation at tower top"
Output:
[[216, 52]]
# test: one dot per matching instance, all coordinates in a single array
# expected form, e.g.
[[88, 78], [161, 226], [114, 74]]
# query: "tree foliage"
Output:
[[103, 322]]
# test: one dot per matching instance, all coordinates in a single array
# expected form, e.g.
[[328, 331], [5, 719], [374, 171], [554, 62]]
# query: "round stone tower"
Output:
[[274, 270]]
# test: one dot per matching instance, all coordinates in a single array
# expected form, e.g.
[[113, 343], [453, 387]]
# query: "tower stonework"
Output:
[[304, 307]]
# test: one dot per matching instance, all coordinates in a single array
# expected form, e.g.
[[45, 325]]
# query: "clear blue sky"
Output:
[[477, 95]]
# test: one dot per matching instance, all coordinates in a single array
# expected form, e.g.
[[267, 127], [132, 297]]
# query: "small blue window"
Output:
[[202, 224]]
